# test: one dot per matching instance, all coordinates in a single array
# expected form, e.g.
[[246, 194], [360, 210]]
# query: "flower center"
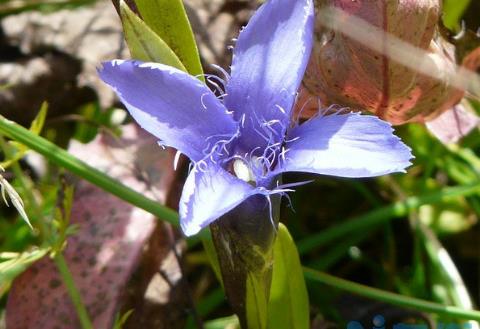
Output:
[[243, 171]]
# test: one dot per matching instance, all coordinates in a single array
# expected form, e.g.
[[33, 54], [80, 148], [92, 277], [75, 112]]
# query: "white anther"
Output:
[[242, 171]]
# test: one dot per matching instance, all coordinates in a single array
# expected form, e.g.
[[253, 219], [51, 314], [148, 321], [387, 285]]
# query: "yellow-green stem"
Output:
[[72, 291], [389, 297]]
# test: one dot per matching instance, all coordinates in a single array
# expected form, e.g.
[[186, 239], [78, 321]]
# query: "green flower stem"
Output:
[[389, 297], [72, 291], [384, 214], [62, 158]]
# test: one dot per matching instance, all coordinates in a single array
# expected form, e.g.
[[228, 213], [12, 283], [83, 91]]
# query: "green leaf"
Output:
[[212, 257], [168, 19], [64, 159], [453, 11], [256, 301], [121, 320], [389, 297], [13, 267], [448, 285], [145, 44], [288, 305], [230, 322], [36, 128], [39, 121]]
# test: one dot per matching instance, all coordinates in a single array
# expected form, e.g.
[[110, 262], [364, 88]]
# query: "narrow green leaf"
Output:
[[389, 297], [168, 19], [288, 305], [144, 44], [212, 257], [13, 267], [64, 159], [453, 11], [39, 121], [230, 322], [36, 128], [73, 291], [448, 284], [256, 301], [381, 215], [121, 320]]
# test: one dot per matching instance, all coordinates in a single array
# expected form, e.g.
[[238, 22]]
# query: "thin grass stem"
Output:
[[379, 216], [72, 291], [63, 159], [389, 297]]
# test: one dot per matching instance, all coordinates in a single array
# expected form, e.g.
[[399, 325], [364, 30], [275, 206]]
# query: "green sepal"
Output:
[[168, 19], [145, 44], [256, 299], [288, 307], [244, 240]]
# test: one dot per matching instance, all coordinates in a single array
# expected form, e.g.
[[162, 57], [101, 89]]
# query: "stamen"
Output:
[[243, 171]]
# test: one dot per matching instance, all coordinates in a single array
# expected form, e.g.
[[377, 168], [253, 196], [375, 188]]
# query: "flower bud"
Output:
[[346, 72]]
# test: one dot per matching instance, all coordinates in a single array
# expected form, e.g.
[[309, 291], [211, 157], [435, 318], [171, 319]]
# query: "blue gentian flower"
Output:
[[242, 141]]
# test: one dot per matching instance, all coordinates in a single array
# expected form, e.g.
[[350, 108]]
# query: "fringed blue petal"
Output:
[[171, 105], [346, 145], [209, 193], [269, 61]]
